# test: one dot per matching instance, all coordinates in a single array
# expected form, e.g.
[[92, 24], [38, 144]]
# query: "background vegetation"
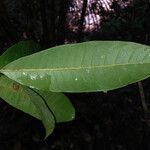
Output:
[[115, 120]]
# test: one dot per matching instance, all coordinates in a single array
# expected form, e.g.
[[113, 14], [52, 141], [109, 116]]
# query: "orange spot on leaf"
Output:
[[16, 86]]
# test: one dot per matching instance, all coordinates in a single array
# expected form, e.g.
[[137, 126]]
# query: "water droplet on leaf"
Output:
[[76, 79]]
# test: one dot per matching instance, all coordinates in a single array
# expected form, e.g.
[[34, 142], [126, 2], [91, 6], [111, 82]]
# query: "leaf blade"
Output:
[[22, 97], [46, 115], [60, 105], [20, 49], [91, 66], [17, 96], [28, 101]]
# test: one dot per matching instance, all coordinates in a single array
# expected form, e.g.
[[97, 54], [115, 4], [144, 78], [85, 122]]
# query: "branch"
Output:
[[82, 20]]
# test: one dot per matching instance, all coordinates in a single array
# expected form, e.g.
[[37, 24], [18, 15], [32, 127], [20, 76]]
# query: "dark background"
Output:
[[108, 121]]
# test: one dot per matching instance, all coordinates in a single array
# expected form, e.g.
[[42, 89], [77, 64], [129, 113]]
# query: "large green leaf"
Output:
[[17, 96], [59, 104], [18, 50], [84, 67]]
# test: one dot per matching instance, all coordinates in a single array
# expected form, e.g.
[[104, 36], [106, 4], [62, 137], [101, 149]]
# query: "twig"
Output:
[[142, 95]]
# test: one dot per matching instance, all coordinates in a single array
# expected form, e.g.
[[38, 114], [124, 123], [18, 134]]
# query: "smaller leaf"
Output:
[[60, 105], [45, 113], [17, 96], [18, 50]]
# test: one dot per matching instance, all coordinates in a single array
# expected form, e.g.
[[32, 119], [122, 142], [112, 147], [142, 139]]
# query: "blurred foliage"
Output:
[[105, 121], [49, 21], [131, 23]]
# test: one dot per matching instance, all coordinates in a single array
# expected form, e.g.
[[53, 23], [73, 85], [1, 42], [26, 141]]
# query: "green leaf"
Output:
[[11, 91], [46, 115], [26, 100], [83, 67], [56, 100], [20, 96], [59, 104], [17, 96], [18, 50]]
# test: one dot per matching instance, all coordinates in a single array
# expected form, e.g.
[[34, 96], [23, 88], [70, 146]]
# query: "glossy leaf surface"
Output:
[[83, 67], [60, 105]]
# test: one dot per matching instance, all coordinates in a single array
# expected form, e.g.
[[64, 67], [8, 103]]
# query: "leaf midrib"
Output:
[[69, 68]]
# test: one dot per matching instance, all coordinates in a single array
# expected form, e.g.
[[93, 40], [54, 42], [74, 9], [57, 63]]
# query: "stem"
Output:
[[142, 95]]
